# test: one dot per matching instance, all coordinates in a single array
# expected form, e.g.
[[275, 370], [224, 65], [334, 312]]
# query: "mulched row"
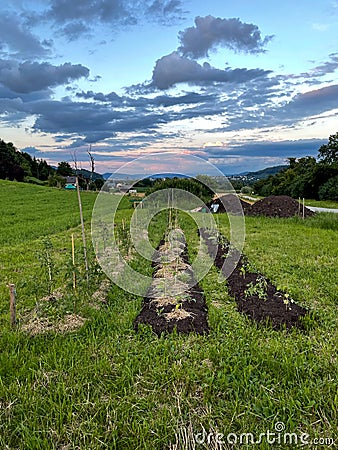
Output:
[[192, 313], [255, 296]]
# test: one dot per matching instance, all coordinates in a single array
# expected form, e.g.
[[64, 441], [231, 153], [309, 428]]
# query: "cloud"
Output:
[[29, 77], [165, 101], [77, 17], [313, 102], [282, 149], [63, 11], [111, 98], [327, 67], [74, 30], [93, 121], [18, 40], [172, 69], [165, 11], [210, 32]]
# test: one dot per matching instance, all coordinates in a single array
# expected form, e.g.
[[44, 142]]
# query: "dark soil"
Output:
[[278, 206], [229, 203], [195, 305], [255, 295], [192, 302]]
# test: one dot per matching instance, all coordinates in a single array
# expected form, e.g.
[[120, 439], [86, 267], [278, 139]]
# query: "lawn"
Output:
[[103, 385]]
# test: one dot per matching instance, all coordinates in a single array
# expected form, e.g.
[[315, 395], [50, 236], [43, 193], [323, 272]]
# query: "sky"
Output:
[[243, 85]]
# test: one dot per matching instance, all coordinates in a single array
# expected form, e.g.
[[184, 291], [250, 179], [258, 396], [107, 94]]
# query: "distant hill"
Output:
[[138, 176], [245, 176], [264, 173], [252, 177], [87, 174]]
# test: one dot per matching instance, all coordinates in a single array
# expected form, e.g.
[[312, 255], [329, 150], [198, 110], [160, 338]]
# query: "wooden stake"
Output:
[[12, 304], [73, 260], [303, 208], [82, 227], [299, 200]]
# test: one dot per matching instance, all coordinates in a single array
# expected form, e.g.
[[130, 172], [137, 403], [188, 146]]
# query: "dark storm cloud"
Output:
[[18, 41], [211, 32], [29, 77], [172, 69]]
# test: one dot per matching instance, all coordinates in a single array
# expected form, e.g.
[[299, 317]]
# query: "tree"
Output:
[[329, 190], [56, 180], [328, 153], [191, 185], [65, 169]]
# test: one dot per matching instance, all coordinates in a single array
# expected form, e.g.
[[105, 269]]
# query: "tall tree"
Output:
[[328, 153], [65, 169]]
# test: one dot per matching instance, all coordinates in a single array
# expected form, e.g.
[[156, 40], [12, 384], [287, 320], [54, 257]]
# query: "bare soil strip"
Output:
[[255, 295]]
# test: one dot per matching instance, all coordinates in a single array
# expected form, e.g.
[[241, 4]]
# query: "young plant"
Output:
[[259, 288]]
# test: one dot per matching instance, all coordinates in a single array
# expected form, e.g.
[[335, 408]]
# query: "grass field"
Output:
[[102, 385]]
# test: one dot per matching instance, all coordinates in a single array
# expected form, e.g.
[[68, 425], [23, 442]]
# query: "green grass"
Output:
[[105, 386]]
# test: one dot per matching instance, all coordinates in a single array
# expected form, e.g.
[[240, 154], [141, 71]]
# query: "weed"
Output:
[[258, 288]]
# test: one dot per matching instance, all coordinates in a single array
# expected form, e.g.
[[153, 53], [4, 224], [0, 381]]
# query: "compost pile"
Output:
[[230, 203], [278, 206], [174, 300], [255, 295]]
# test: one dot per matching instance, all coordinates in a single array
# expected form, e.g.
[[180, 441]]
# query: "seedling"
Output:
[[259, 288]]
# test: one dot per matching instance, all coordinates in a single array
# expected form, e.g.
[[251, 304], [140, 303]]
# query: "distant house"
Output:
[[125, 188], [70, 183]]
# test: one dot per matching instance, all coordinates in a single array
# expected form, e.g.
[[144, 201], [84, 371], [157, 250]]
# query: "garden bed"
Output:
[[174, 300], [255, 295]]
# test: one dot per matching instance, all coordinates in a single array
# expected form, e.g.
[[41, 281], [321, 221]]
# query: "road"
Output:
[[317, 209]]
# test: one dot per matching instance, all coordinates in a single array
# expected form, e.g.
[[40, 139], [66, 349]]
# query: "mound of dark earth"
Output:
[[230, 203], [278, 206]]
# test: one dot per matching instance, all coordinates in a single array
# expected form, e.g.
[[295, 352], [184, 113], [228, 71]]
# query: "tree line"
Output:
[[15, 165], [306, 177], [21, 166]]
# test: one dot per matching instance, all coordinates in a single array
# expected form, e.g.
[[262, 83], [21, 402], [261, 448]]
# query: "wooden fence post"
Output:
[[12, 304]]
